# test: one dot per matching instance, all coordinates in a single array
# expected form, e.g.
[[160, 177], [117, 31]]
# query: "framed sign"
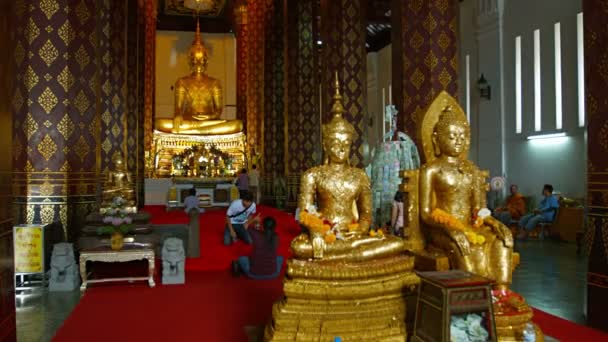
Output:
[[28, 243]]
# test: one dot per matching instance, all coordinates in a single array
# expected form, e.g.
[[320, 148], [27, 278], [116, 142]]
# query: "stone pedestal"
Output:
[[363, 301]]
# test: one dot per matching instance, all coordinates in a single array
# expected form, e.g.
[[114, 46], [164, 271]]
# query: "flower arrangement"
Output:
[[442, 217], [117, 218], [317, 224]]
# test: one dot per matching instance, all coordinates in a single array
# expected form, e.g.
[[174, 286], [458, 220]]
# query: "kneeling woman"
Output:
[[263, 262]]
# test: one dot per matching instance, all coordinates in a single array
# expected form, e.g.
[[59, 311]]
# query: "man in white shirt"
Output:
[[254, 182], [239, 216]]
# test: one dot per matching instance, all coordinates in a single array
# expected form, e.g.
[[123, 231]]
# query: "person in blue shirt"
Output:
[[544, 213]]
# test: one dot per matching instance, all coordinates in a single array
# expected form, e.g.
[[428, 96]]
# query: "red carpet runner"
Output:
[[212, 306]]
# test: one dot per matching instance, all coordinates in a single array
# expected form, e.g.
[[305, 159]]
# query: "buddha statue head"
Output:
[[338, 134], [119, 162], [451, 134], [197, 56]]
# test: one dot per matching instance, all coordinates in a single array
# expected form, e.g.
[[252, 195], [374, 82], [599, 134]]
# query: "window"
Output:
[[558, 75], [580, 52], [537, 83], [518, 84]]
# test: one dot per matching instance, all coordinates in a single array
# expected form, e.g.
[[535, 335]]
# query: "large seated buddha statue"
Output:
[[341, 281], [452, 203], [198, 100]]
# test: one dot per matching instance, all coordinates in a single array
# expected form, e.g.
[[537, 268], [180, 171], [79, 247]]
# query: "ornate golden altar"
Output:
[[166, 146]]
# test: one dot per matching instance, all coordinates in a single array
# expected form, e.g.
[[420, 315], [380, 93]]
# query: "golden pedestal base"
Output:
[[364, 301], [510, 327]]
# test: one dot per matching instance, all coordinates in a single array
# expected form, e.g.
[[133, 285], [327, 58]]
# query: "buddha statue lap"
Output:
[[119, 183], [353, 286], [451, 192], [198, 100]]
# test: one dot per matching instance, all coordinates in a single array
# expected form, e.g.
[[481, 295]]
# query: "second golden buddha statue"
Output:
[[198, 99]]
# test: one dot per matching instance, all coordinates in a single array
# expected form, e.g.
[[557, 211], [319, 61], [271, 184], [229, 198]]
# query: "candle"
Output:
[[390, 94], [383, 114]]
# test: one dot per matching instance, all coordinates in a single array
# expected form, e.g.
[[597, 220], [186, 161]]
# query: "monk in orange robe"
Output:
[[514, 208]]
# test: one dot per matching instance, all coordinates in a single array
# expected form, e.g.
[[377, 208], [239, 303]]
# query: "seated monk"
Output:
[[198, 100], [452, 191], [118, 184], [339, 188]]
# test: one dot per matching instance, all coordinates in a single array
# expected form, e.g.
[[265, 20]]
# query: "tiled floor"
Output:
[[551, 277]]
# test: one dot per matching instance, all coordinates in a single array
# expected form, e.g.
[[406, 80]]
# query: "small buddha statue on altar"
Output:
[[118, 184], [198, 100], [344, 197]]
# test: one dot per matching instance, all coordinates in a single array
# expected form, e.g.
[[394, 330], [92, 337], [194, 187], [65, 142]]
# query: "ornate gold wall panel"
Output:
[[425, 55], [68, 105], [596, 234], [242, 56], [7, 297], [255, 72], [343, 33], [274, 95], [149, 65]]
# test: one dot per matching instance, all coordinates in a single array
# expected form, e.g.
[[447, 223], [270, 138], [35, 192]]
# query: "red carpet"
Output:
[[214, 255], [565, 330], [212, 305]]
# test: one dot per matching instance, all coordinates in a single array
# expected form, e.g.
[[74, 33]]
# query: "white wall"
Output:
[[531, 164], [172, 63]]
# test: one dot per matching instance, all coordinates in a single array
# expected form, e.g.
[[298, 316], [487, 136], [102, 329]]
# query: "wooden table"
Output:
[[109, 255]]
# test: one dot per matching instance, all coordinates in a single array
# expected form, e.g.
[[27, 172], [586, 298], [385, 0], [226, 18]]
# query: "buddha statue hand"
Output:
[[460, 239], [503, 233]]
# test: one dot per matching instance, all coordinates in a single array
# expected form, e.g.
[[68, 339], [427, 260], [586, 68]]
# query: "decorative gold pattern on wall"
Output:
[[149, 64], [242, 56], [425, 55], [255, 72], [596, 83], [303, 131], [68, 70], [343, 35]]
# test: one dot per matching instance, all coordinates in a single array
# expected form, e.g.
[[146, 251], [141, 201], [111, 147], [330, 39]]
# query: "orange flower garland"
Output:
[[316, 224], [442, 217]]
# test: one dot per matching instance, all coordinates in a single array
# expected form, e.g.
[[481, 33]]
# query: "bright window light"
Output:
[[580, 52], [468, 86], [558, 75], [518, 84], [537, 89], [546, 136]]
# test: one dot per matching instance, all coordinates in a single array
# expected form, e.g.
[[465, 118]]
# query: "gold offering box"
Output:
[[167, 145]]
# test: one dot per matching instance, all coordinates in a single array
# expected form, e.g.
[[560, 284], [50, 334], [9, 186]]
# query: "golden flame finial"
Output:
[[337, 108]]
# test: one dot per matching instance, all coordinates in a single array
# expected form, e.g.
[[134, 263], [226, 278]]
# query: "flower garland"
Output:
[[316, 223], [442, 217]]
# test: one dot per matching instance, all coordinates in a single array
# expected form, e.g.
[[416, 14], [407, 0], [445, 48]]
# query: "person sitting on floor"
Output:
[[239, 216], [192, 202], [544, 213], [263, 262], [514, 208]]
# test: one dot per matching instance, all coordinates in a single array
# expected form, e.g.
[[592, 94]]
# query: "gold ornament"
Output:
[[118, 184]]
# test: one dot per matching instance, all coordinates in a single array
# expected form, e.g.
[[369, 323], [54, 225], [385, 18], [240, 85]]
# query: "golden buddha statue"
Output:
[[355, 286], [452, 196], [344, 197], [198, 99], [118, 184]]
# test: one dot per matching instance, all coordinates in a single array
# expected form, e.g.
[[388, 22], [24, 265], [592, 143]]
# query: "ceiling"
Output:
[[172, 15]]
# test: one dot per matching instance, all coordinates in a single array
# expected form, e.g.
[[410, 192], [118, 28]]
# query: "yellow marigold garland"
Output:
[[442, 217]]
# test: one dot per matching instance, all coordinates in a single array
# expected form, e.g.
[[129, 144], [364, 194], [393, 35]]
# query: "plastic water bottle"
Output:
[[529, 333]]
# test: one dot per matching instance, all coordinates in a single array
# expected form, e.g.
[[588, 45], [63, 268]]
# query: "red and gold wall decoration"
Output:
[[242, 56], [255, 73], [425, 55], [343, 34], [596, 104]]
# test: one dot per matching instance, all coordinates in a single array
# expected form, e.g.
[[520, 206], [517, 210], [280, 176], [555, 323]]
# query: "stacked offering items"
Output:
[[389, 159], [204, 200], [468, 328]]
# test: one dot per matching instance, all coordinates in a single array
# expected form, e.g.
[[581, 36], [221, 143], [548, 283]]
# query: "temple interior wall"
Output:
[[490, 45], [172, 63]]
